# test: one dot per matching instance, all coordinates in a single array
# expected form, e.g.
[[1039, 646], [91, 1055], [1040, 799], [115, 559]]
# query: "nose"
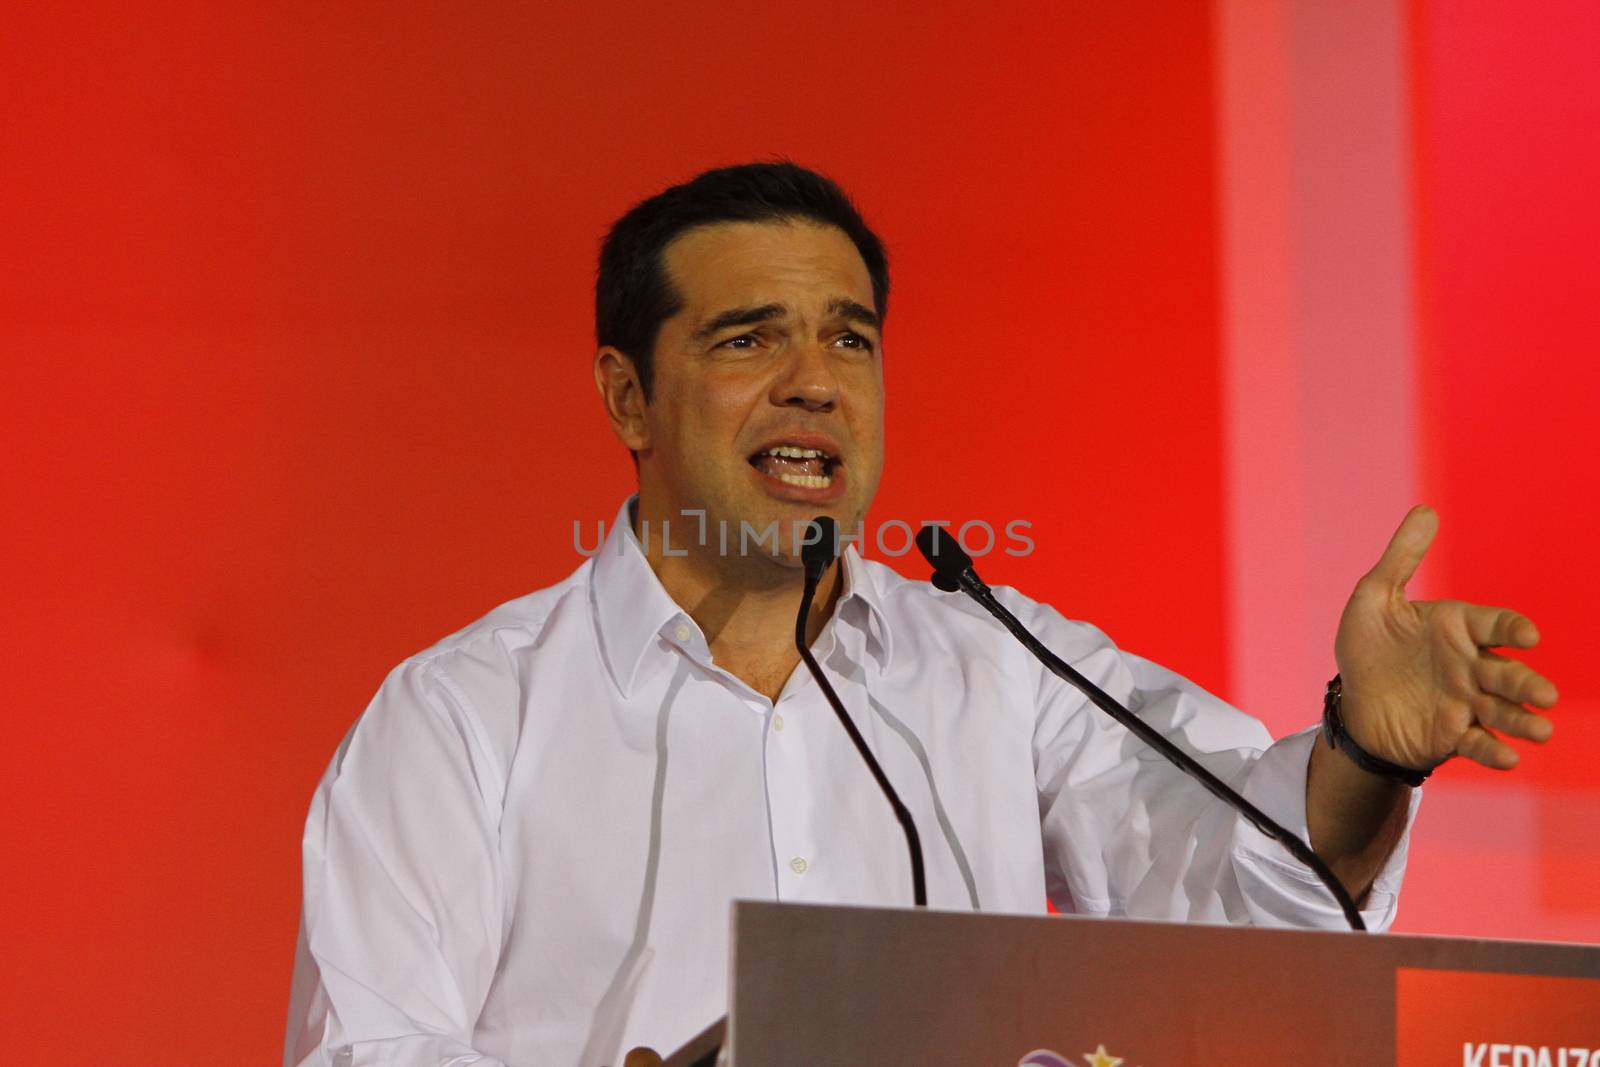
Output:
[[807, 381]]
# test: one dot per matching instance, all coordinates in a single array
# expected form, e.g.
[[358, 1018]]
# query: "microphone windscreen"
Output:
[[943, 552], [820, 544]]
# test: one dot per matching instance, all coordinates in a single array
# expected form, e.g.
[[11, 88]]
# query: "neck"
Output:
[[745, 606]]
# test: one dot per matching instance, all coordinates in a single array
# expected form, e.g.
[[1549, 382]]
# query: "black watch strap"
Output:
[[1333, 730]]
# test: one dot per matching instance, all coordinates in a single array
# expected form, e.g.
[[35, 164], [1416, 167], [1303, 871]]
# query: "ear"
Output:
[[618, 382]]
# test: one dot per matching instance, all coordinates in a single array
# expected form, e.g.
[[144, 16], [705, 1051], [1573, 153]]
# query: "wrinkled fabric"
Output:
[[524, 851]]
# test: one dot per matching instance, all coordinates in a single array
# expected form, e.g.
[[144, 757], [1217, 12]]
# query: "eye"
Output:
[[854, 340], [744, 340]]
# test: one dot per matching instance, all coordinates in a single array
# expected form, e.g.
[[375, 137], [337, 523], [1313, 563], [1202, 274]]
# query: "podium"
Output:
[[873, 986]]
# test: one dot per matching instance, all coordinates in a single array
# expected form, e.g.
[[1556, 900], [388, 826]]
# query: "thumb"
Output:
[[1406, 548]]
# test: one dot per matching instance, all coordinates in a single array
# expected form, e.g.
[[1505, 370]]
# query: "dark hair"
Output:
[[632, 294]]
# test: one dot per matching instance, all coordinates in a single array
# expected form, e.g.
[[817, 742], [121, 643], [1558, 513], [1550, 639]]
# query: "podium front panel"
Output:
[[835, 985]]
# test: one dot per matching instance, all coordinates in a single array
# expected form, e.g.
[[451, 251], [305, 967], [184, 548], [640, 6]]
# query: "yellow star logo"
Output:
[[1101, 1058]]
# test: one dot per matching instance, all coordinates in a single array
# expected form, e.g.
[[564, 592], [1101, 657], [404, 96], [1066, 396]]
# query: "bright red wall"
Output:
[[1505, 110], [1508, 223], [297, 334]]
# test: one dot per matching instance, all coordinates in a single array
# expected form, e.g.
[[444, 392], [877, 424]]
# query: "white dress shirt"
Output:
[[523, 853]]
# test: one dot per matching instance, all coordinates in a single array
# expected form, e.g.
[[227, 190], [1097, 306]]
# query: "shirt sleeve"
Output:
[[402, 923], [1128, 834]]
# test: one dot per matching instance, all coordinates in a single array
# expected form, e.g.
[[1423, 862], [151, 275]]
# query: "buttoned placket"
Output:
[[791, 777], [801, 732], [788, 752]]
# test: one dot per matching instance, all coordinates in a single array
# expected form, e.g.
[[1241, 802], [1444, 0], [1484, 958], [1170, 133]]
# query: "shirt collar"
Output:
[[632, 608], [862, 606]]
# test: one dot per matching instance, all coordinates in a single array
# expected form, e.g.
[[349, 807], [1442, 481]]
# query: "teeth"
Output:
[[807, 481], [791, 452]]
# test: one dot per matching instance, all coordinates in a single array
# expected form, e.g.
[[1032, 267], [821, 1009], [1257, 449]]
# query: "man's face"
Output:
[[767, 400]]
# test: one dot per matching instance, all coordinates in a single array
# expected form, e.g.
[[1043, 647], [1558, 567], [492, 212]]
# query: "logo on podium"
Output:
[[1043, 1057]]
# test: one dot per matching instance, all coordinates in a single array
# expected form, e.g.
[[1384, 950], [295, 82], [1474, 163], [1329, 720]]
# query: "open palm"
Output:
[[1421, 680]]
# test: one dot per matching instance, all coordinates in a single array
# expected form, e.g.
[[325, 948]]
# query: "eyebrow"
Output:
[[746, 316], [749, 316], [849, 309]]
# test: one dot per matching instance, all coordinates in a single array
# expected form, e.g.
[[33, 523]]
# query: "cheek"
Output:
[[705, 419], [866, 411], [729, 396]]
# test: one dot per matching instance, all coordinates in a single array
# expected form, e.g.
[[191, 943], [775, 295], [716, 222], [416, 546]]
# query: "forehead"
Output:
[[746, 263]]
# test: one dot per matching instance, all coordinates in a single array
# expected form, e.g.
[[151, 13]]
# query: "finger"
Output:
[[1481, 746], [1406, 548], [1513, 681], [1499, 627], [1513, 719]]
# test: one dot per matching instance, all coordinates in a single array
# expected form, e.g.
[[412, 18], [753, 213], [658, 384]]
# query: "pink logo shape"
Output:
[[1043, 1057]]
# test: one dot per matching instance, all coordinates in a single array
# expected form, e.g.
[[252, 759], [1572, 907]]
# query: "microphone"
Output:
[[953, 570], [816, 553]]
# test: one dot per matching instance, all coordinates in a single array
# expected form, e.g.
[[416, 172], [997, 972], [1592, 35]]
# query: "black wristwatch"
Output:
[[1333, 730]]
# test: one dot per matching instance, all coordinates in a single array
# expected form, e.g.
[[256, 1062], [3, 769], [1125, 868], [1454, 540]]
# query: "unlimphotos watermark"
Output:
[[892, 538]]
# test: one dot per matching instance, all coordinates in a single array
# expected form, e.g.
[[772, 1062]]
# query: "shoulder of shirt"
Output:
[[913, 601], [475, 672], [516, 623]]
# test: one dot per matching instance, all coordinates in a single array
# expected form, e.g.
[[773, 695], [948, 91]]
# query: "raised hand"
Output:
[[1421, 682]]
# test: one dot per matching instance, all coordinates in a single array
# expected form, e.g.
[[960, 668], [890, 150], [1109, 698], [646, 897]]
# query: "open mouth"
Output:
[[806, 468]]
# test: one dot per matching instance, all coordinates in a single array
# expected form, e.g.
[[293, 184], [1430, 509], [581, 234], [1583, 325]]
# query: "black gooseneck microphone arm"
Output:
[[953, 571], [817, 555]]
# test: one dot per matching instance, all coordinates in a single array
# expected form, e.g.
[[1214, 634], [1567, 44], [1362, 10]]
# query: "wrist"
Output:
[[1339, 739]]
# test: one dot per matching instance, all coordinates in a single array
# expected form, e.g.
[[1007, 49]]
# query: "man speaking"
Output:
[[524, 851]]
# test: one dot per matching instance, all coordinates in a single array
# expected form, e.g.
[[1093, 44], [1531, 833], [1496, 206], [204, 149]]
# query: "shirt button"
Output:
[[777, 722], [682, 631], [798, 865]]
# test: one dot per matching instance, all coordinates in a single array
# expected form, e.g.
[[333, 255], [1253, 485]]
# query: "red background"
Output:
[[297, 333], [1438, 1012]]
